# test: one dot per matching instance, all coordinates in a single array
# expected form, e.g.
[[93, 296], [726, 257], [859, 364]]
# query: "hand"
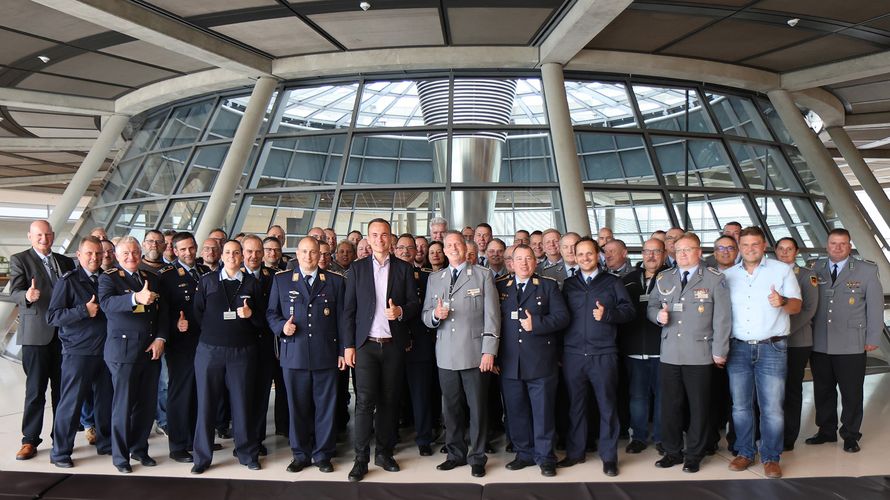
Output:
[[599, 311], [487, 363], [663, 316], [526, 323], [341, 363], [156, 348], [92, 307], [289, 327], [869, 347], [719, 361], [182, 325], [775, 299], [349, 356], [145, 296], [393, 312], [33, 293], [496, 370], [244, 311], [441, 312]]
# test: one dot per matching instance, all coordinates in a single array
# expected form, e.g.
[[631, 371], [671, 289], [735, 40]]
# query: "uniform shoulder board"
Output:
[[111, 271], [282, 271], [426, 269], [69, 273], [869, 261], [335, 273], [502, 278], [166, 268], [715, 271], [547, 277]]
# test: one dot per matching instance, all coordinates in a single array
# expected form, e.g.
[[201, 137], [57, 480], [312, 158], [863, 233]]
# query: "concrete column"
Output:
[[233, 166], [861, 170], [836, 188], [87, 170], [568, 169]]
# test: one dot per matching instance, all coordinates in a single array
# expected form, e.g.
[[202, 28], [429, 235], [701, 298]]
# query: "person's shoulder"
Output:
[[67, 276], [112, 271]]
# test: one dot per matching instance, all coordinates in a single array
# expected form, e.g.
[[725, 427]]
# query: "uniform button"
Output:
[[310, 315], [679, 334], [310, 334], [831, 301], [829, 321], [683, 298], [452, 329], [829, 310], [310, 325], [520, 341], [680, 322]]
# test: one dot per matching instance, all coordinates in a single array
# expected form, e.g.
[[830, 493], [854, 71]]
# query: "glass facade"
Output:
[[339, 153]]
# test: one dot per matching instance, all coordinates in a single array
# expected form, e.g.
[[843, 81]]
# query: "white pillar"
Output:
[[565, 155], [233, 166], [836, 188], [87, 170], [861, 170]]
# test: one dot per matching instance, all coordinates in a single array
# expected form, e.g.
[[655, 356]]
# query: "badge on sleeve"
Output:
[[296, 277], [321, 277], [814, 280], [181, 271]]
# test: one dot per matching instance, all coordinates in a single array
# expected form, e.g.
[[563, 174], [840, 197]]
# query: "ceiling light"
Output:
[[43, 59], [793, 22], [365, 5]]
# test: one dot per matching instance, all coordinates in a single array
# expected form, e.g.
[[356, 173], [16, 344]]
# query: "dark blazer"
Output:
[[130, 332], [361, 301], [640, 336], [423, 339], [80, 334], [178, 290], [23, 267], [585, 335]]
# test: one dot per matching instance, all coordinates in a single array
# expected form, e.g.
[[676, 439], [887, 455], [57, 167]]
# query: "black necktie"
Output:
[[309, 281], [481, 261], [454, 276], [138, 280], [94, 280], [50, 269], [684, 280], [194, 275], [589, 280], [572, 270], [833, 273], [519, 287]]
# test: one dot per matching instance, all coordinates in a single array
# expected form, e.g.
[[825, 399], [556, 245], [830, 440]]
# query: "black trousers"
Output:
[[82, 377], [43, 366], [465, 391], [133, 407], [593, 376], [265, 374], [797, 363], [847, 373], [182, 397], [282, 415], [379, 369], [425, 399], [682, 387]]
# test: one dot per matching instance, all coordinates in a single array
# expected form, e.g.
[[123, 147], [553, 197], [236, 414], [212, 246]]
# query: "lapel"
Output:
[[843, 274], [694, 279], [462, 279], [530, 290], [38, 263], [318, 285]]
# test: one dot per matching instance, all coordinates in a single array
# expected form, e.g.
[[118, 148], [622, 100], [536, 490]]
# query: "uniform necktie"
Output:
[[309, 281], [481, 261], [572, 270], [684, 280], [520, 287], [454, 276], [137, 278], [51, 270], [194, 275], [94, 280], [833, 273], [589, 280]]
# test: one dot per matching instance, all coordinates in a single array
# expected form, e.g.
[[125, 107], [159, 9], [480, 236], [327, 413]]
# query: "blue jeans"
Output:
[[758, 369], [643, 376], [163, 383]]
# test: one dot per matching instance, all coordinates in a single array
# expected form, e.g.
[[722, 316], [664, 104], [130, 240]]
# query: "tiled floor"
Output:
[[804, 461]]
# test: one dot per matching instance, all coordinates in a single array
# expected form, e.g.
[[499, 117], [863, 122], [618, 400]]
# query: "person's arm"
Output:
[[63, 308], [624, 309], [19, 281], [874, 311], [721, 321], [556, 318], [109, 299], [274, 314], [411, 307]]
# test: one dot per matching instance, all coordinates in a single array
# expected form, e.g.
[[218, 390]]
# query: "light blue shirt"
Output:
[[840, 265], [753, 318]]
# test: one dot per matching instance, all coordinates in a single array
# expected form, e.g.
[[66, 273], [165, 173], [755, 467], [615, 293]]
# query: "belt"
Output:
[[770, 340], [380, 340]]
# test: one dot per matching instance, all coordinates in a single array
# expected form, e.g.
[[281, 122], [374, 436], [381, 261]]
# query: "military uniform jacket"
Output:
[[318, 314], [212, 302], [585, 335], [802, 322], [265, 279], [535, 354], [178, 288], [131, 329], [850, 312], [473, 326], [423, 339], [639, 336], [24, 266], [554, 271], [699, 316], [79, 333]]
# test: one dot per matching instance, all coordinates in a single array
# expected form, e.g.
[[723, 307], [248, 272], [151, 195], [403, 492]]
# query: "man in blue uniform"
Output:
[[304, 310], [137, 324], [532, 315], [74, 309]]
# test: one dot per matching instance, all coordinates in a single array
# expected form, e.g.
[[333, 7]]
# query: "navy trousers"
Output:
[[599, 373], [133, 408], [312, 401], [82, 377], [530, 406], [182, 398]]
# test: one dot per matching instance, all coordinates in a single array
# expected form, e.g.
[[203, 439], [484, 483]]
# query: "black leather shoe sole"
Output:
[[820, 439], [358, 472], [450, 464], [477, 470], [182, 457], [691, 467], [548, 470], [198, 469], [518, 464], [425, 450], [610, 469], [296, 466], [668, 461], [569, 462], [325, 466], [146, 461], [851, 446], [253, 466], [635, 447], [387, 463]]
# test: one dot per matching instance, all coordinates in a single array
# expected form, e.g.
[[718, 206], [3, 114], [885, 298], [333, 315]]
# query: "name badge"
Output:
[[514, 314], [227, 315], [701, 294], [644, 298], [829, 292], [474, 292], [677, 307], [291, 312]]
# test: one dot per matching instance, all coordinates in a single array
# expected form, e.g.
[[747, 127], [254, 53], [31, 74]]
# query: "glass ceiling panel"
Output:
[[599, 104], [390, 104], [316, 108]]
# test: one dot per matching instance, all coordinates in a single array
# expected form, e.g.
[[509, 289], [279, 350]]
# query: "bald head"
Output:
[[41, 236]]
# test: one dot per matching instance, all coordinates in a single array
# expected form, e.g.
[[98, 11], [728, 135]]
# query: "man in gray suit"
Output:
[[461, 304], [32, 275], [848, 323], [692, 305]]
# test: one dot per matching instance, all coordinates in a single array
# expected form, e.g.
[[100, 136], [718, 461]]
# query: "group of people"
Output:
[[557, 338]]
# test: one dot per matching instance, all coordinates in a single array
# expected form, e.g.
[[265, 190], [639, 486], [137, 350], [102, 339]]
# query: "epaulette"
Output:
[[504, 277], [282, 271], [547, 278], [166, 268], [426, 269], [69, 273], [334, 273], [715, 271], [112, 270]]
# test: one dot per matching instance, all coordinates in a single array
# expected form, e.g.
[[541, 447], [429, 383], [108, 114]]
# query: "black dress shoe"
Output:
[[691, 466], [568, 462], [819, 438], [224, 434], [103, 452], [788, 447], [711, 450], [635, 447], [450, 464], [659, 448], [262, 451], [851, 446], [509, 448], [325, 466], [425, 450], [253, 465], [669, 461], [443, 449], [145, 460], [489, 448], [518, 464], [124, 469], [296, 466], [182, 457], [610, 469], [359, 469], [215, 447], [199, 469], [477, 470], [548, 470], [387, 463], [63, 463]]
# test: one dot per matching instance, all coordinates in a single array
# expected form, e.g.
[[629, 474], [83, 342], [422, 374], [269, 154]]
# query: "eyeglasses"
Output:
[[403, 247], [684, 251], [721, 248], [653, 252], [155, 242]]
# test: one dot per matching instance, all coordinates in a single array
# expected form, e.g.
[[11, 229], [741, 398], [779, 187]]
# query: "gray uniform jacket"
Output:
[[802, 322], [473, 326], [556, 271], [850, 313], [699, 316]]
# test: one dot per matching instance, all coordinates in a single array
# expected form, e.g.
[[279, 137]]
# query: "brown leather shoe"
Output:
[[740, 463], [27, 452], [772, 470], [91, 435]]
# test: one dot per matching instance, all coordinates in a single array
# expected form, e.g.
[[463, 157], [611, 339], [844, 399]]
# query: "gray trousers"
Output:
[[465, 391]]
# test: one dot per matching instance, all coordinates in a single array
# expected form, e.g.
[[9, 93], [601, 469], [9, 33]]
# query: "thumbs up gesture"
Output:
[[33, 293], [145, 296], [441, 311], [775, 299], [92, 307], [183, 324], [289, 327], [663, 316], [599, 311], [392, 311], [526, 323], [244, 311]]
